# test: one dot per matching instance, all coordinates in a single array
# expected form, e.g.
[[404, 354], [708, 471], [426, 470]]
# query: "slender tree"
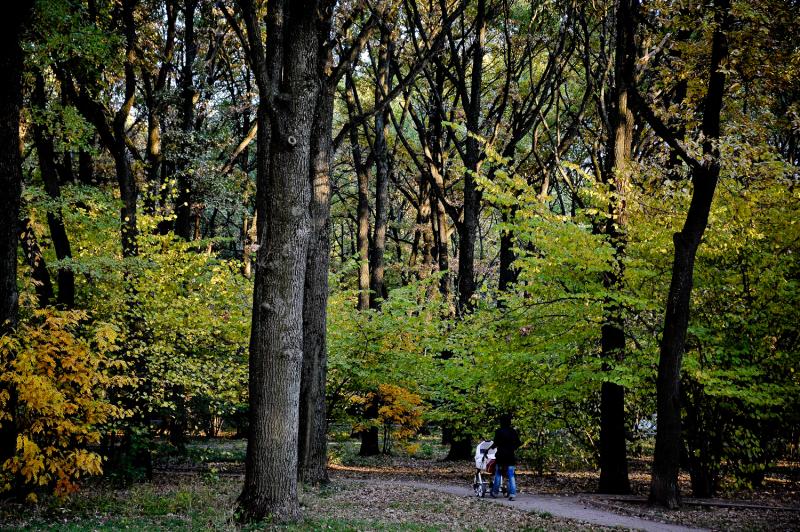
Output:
[[47, 169], [705, 175]]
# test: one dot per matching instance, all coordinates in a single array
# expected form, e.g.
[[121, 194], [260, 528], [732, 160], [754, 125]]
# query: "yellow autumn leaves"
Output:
[[54, 387]]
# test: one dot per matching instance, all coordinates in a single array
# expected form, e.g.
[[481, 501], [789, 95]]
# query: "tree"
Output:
[[613, 454], [11, 62], [705, 174], [286, 72]]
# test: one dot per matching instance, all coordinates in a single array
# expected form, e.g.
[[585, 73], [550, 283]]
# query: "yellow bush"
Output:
[[399, 411], [60, 373]]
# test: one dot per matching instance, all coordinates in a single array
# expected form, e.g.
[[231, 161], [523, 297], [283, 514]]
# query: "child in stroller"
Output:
[[484, 465]]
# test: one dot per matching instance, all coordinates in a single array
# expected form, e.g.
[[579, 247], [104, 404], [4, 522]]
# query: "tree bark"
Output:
[[288, 87], [122, 165], [613, 454], [85, 168], [468, 229], [183, 208], [381, 154], [47, 168], [508, 274], [11, 64], [362, 175], [313, 448], [664, 481]]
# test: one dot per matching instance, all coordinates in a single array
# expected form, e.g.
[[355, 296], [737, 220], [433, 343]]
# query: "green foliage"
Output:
[[191, 310]]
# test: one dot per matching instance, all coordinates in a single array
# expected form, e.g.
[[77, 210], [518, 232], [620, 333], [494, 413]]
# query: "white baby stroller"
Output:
[[484, 470]]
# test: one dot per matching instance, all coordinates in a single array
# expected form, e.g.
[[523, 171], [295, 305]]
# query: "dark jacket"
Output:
[[506, 441]]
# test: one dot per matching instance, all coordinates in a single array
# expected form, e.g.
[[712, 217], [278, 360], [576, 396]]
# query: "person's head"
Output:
[[505, 421]]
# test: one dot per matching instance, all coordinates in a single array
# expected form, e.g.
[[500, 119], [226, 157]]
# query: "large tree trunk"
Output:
[[664, 482], [47, 168], [183, 209], [11, 64], [381, 153], [613, 455], [276, 357], [313, 452]]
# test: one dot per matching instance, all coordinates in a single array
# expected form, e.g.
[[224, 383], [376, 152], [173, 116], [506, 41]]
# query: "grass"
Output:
[[187, 503]]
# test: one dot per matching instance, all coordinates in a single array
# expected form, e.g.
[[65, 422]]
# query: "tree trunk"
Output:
[[313, 451], [183, 209], [370, 445], [664, 482], [154, 155], [288, 83], [381, 153], [613, 455], [362, 174], [11, 64], [468, 229], [46, 152], [85, 168], [508, 274], [460, 448], [125, 179]]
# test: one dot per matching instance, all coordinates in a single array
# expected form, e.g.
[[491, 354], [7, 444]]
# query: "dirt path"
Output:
[[568, 506]]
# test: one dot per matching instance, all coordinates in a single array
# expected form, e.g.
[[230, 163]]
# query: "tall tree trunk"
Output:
[[362, 174], [381, 153], [154, 155], [421, 256], [664, 481], [122, 165], [468, 229], [47, 168], [288, 84], [183, 209], [613, 454], [313, 452], [11, 64]]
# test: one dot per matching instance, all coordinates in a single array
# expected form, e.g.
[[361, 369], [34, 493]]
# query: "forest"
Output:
[[287, 247]]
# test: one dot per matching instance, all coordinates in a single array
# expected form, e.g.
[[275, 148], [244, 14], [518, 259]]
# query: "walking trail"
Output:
[[566, 506]]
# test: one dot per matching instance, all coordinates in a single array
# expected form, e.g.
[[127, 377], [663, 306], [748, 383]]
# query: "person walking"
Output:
[[506, 441]]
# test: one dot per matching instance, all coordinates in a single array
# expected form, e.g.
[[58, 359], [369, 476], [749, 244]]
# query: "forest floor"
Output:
[[401, 492]]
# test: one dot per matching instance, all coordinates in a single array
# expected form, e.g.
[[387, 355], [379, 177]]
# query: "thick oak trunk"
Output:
[[288, 84], [313, 452], [11, 64]]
